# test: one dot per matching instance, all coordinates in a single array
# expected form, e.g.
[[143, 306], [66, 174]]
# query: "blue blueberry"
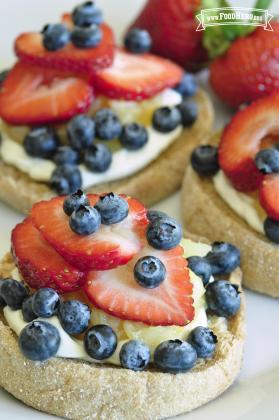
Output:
[[204, 160], [46, 302], [223, 258], [201, 267], [187, 86], [55, 36], [27, 309], [108, 126], [66, 155], [222, 298], [267, 160], [13, 293], [271, 228], [189, 112], [39, 341], [204, 342], [134, 355], [81, 132], [165, 233], [149, 272], [153, 215], [65, 179], [138, 41], [133, 136], [74, 201], [87, 37], [175, 356], [74, 316], [98, 158], [87, 14], [41, 142], [112, 208], [166, 119], [3, 76], [85, 220], [100, 342]]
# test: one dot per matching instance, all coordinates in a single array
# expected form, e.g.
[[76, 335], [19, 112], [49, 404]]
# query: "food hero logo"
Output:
[[234, 16]]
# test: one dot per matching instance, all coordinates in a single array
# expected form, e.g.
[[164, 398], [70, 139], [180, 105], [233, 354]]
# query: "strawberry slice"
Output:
[[32, 95], [109, 247], [136, 77], [39, 264], [269, 195], [117, 293], [29, 48], [242, 139]]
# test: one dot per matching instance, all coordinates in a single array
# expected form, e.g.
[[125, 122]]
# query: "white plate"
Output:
[[255, 393]]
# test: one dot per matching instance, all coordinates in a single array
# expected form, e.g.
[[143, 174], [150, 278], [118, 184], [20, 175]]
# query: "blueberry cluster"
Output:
[[86, 33], [86, 220]]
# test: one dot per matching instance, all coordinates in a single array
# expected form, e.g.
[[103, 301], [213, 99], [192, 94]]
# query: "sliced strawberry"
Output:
[[109, 247], [242, 138], [136, 77], [269, 195], [29, 48], [39, 264], [33, 95], [117, 293]]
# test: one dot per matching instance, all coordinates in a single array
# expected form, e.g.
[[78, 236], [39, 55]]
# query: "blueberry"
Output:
[[149, 272], [98, 158], [189, 112], [271, 228], [74, 316], [224, 258], [27, 310], [204, 160], [204, 342], [65, 179], [81, 132], [153, 215], [39, 341], [13, 293], [134, 355], [166, 119], [64, 155], [133, 136], [138, 41], [88, 37], [55, 36], [2, 302], [165, 233], [46, 302], [3, 76], [85, 220], [41, 142], [87, 14], [74, 201], [100, 342], [267, 160], [201, 267], [187, 86], [112, 208], [175, 356], [222, 298], [108, 126]]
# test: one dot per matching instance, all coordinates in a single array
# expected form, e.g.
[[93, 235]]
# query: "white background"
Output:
[[255, 394]]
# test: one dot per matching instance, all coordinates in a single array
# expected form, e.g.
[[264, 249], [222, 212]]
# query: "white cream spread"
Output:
[[73, 348], [242, 204]]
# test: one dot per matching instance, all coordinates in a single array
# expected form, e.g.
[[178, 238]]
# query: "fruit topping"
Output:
[[27, 309], [87, 14], [222, 298], [98, 158], [174, 356], [271, 228], [223, 258], [204, 160], [100, 342], [55, 36], [149, 272], [164, 233], [269, 195], [137, 41], [118, 293], [166, 119], [134, 355], [41, 142], [89, 37], [133, 136], [153, 215], [65, 179], [85, 220], [74, 316], [39, 264], [46, 302], [66, 155], [112, 208], [81, 132], [187, 86], [201, 267], [32, 95], [136, 77], [108, 126], [3, 76], [109, 247], [189, 112], [13, 293], [74, 201], [204, 342], [39, 341], [267, 160]]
